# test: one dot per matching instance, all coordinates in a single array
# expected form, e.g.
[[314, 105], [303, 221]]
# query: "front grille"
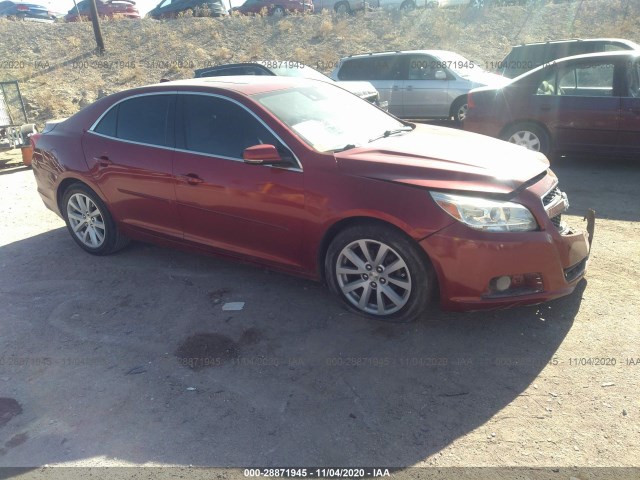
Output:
[[557, 221], [551, 196], [571, 273]]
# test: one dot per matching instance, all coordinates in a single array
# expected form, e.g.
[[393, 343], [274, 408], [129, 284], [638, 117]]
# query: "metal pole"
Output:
[[77, 10], [96, 25]]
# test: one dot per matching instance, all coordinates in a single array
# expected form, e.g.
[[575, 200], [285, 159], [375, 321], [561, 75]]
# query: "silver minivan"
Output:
[[419, 84]]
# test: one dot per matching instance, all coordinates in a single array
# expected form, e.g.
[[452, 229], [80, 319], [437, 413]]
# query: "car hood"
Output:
[[445, 159], [482, 78], [361, 89]]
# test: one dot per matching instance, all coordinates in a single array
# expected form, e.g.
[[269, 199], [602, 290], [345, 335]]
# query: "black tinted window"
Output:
[[107, 125], [373, 68], [219, 127], [144, 119]]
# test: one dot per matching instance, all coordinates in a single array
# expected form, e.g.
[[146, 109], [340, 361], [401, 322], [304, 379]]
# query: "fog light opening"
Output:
[[514, 285], [503, 283]]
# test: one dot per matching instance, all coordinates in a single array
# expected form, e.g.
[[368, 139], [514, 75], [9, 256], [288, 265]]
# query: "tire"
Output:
[[407, 6], [528, 135], [342, 8], [79, 199], [459, 110], [373, 289], [277, 11], [477, 4]]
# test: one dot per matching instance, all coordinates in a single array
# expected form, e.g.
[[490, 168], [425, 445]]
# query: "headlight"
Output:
[[487, 215]]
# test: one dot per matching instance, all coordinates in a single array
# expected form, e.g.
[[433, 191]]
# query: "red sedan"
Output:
[[276, 8], [304, 177], [106, 9]]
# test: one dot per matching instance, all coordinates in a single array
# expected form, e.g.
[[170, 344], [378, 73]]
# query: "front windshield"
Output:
[[459, 64], [328, 118]]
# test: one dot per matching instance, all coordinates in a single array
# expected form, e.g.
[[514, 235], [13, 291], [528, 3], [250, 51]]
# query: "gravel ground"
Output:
[[131, 359]]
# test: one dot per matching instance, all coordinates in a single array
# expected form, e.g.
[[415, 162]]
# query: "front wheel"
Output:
[[89, 221], [379, 273], [278, 11], [459, 110]]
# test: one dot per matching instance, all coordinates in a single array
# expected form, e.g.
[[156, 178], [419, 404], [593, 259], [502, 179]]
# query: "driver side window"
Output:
[[215, 126]]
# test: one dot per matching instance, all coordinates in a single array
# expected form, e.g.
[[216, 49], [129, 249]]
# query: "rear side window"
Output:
[[371, 68], [142, 119], [107, 125]]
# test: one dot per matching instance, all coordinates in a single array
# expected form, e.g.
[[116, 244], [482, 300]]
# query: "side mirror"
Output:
[[262, 154], [441, 75]]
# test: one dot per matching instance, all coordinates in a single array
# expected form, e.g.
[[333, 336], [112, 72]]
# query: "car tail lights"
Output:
[[22, 8]]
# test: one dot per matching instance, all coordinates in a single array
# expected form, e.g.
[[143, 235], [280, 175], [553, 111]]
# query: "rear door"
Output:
[[424, 96], [630, 110], [130, 153]]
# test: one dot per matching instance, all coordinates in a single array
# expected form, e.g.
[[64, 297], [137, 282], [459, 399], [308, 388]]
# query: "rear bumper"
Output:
[[466, 261], [481, 125]]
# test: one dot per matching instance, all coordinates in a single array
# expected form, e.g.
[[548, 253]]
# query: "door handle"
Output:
[[394, 88], [545, 107], [409, 88], [190, 178], [103, 161]]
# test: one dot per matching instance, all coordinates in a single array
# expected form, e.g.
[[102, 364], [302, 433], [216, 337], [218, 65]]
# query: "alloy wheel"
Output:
[[373, 277], [526, 138], [86, 220]]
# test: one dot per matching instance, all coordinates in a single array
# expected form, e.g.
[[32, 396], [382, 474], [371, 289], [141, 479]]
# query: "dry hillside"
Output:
[[60, 73]]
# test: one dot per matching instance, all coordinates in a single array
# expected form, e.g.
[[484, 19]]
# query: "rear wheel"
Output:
[[528, 135], [278, 11], [342, 8], [380, 273], [89, 221], [407, 6]]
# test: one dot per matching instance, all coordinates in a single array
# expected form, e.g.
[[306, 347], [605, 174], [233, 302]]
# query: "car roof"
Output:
[[595, 56], [578, 40], [400, 52], [244, 84]]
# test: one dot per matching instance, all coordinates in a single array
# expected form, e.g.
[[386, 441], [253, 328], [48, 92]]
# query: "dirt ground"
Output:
[[131, 359]]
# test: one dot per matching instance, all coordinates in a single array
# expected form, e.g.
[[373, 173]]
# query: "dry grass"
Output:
[[59, 71]]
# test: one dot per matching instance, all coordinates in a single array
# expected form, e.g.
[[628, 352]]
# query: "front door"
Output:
[[225, 203]]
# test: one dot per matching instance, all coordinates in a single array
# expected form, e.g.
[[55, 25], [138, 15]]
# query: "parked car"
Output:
[[26, 11], [419, 84], [174, 8], [304, 177], [587, 103], [460, 3], [274, 7], [350, 6], [290, 69], [528, 56], [106, 9]]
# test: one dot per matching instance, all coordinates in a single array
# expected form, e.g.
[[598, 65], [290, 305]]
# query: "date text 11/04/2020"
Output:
[[318, 472]]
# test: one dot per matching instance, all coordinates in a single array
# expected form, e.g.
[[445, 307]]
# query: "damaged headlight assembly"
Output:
[[486, 215]]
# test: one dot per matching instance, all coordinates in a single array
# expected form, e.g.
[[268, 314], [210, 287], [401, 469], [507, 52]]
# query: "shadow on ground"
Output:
[[132, 357]]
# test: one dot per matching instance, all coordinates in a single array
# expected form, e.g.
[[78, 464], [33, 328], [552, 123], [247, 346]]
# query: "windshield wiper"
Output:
[[388, 133], [348, 146]]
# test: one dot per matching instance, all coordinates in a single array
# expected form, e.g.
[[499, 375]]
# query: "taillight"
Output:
[[34, 138], [22, 8], [470, 101]]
